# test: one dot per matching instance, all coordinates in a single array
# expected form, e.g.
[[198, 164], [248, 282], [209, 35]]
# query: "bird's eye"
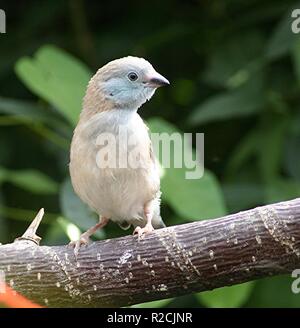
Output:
[[132, 76]]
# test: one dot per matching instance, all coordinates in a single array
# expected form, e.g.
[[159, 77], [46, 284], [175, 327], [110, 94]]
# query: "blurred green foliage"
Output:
[[234, 69]]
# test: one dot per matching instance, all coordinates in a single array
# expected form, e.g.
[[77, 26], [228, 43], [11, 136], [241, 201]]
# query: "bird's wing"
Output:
[[151, 151]]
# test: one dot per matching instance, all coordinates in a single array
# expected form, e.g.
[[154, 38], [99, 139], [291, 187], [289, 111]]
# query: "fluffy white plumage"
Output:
[[127, 196]]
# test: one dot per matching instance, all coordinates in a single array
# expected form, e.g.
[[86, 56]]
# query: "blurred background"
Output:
[[234, 69]]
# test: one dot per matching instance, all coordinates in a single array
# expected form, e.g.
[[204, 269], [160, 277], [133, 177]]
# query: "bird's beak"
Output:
[[156, 80]]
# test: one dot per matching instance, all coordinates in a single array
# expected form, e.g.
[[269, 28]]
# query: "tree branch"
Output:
[[169, 262]]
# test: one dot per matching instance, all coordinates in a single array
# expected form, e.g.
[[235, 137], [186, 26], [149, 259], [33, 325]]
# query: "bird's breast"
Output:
[[110, 166]]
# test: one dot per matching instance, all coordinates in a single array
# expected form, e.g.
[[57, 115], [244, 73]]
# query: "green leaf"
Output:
[[230, 65], [279, 189], [70, 229], [242, 195], [56, 233], [192, 199], [31, 180], [76, 211], [183, 91], [245, 148], [56, 77], [296, 59], [282, 38], [3, 222], [153, 304], [24, 110], [265, 142], [292, 157], [274, 292], [270, 147], [295, 124], [244, 101], [227, 297]]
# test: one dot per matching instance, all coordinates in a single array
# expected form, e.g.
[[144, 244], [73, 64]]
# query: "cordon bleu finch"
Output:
[[126, 194]]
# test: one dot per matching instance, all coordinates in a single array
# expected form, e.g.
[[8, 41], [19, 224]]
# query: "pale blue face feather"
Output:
[[127, 94], [129, 82]]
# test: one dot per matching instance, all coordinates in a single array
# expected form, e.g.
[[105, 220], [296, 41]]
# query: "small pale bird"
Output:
[[125, 194]]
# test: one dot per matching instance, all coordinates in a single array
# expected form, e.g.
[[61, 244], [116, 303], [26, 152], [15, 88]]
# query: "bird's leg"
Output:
[[85, 237], [148, 213]]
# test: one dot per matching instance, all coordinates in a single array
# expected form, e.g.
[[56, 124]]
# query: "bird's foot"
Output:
[[141, 232], [83, 240]]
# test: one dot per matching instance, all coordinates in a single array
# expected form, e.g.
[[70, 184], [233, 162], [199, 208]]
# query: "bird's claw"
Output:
[[78, 243], [141, 232]]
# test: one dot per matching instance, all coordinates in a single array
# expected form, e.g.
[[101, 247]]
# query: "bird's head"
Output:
[[127, 83]]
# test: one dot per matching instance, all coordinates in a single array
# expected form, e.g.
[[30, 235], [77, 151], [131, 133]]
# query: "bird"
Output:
[[128, 195]]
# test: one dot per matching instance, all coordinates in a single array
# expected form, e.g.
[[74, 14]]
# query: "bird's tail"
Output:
[[124, 225], [158, 222]]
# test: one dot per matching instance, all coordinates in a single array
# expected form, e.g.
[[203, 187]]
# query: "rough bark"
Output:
[[173, 261]]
